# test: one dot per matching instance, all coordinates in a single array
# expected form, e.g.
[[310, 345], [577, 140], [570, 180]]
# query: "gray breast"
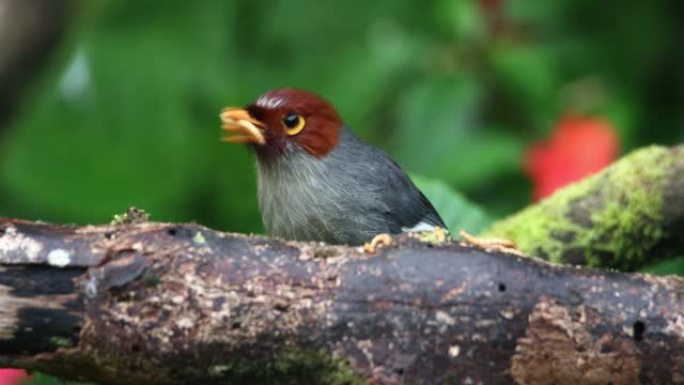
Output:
[[352, 194]]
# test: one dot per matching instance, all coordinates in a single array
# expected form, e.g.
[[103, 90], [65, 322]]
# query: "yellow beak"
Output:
[[246, 128]]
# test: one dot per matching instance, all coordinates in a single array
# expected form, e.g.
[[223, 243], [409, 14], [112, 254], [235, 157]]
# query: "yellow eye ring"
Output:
[[294, 123]]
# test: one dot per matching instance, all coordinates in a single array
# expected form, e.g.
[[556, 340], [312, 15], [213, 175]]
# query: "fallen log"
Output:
[[155, 303]]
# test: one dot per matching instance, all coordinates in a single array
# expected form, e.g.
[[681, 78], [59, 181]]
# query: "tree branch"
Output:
[[625, 217], [152, 303]]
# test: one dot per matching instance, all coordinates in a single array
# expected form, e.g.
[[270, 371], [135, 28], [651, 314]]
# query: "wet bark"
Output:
[[153, 303]]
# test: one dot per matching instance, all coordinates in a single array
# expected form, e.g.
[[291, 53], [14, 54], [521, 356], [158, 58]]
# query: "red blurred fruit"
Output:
[[579, 146], [12, 376]]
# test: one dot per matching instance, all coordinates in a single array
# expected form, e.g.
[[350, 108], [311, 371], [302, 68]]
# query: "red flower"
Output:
[[578, 147], [12, 376]]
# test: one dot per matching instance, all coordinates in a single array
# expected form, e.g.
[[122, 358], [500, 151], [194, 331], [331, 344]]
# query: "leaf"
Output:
[[455, 209], [38, 378], [667, 267], [438, 114], [530, 76]]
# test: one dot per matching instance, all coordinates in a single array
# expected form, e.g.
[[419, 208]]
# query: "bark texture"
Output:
[[627, 216], [153, 303]]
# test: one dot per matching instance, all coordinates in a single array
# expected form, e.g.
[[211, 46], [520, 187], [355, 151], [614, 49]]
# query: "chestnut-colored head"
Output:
[[285, 120]]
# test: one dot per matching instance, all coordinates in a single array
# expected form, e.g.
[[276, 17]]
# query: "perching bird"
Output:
[[316, 180]]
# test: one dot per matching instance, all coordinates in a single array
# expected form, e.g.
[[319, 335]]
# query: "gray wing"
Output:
[[395, 198], [410, 207]]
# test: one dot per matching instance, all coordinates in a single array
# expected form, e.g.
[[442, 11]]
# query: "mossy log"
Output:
[[153, 303], [627, 216]]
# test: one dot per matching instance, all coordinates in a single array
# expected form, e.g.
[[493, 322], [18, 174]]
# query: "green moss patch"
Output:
[[610, 219], [290, 367]]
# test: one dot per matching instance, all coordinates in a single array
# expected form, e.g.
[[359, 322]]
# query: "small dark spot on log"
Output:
[[639, 329], [236, 325], [502, 287], [574, 298], [217, 303], [324, 252], [109, 235], [151, 279], [172, 231], [164, 316], [280, 307]]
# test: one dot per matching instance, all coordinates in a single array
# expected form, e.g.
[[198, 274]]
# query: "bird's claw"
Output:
[[490, 244], [384, 240]]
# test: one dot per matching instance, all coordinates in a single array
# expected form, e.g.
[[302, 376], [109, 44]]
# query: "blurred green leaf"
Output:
[[457, 212], [481, 158], [139, 128], [670, 266], [38, 378], [460, 20], [530, 80], [435, 118]]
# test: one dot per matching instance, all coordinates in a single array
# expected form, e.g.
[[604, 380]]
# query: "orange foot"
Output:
[[377, 241], [490, 244]]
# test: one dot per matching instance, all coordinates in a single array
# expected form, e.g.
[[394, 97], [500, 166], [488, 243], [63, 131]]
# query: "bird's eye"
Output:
[[294, 123]]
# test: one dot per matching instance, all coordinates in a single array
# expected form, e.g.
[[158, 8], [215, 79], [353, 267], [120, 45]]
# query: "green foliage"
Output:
[[672, 266], [457, 212], [38, 378], [454, 90]]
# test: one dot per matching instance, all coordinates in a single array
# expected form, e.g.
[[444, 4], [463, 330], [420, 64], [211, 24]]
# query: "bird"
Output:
[[317, 180]]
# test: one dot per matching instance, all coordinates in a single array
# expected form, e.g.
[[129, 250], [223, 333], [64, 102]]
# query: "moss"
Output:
[[199, 238], [291, 366], [451, 379], [61, 342], [324, 252], [437, 236], [623, 205], [151, 279], [38, 378], [132, 216]]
